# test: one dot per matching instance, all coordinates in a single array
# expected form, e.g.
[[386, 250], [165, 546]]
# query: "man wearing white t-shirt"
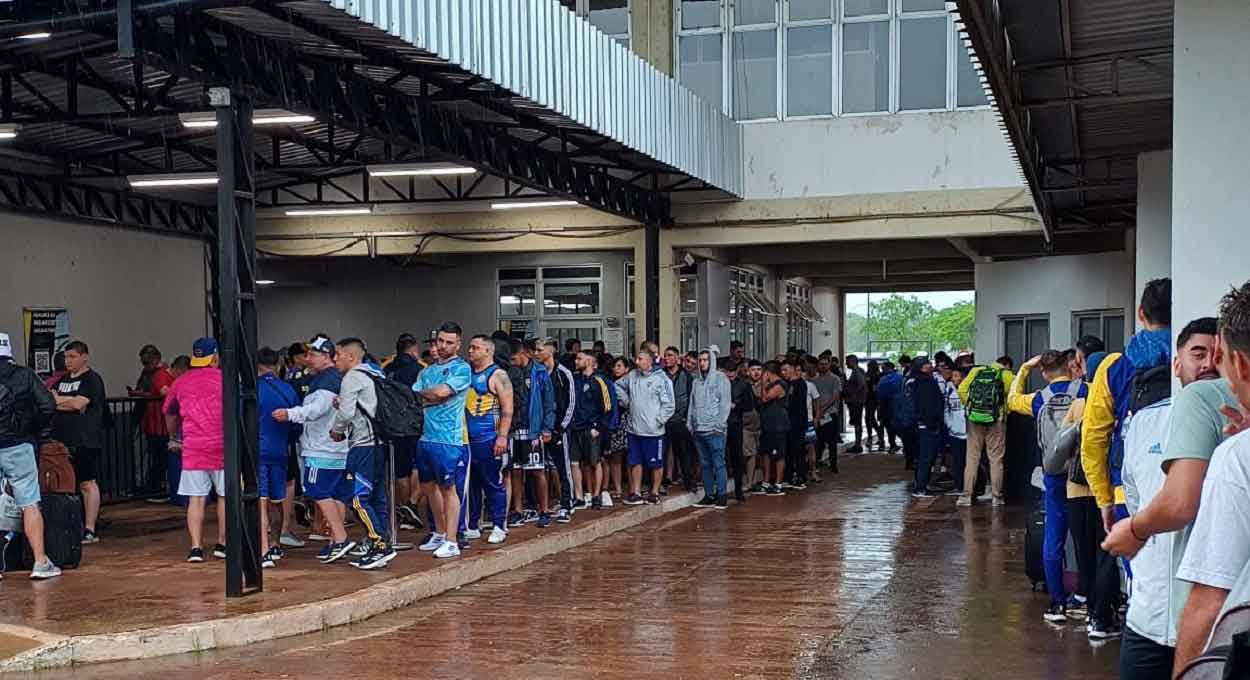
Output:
[[1219, 545]]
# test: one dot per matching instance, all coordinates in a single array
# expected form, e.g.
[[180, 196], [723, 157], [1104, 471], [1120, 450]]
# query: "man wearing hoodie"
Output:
[[930, 415], [889, 388], [533, 423], [558, 446], [676, 435], [648, 394], [404, 370], [711, 401], [592, 414], [363, 490]]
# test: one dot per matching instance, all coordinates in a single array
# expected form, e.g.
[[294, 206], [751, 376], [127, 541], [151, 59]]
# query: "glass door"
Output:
[[586, 331]]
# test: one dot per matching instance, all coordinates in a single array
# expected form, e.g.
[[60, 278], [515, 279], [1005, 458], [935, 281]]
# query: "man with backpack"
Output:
[[26, 409], [984, 393], [1049, 407], [929, 408]]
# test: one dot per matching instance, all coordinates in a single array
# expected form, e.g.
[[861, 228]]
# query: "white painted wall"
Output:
[[376, 300], [1056, 286], [1153, 248], [123, 289], [876, 155], [1209, 150], [827, 335]]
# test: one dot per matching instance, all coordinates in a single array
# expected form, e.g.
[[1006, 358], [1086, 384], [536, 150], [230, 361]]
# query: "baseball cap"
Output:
[[6, 346], [321, 344], [202, 352]]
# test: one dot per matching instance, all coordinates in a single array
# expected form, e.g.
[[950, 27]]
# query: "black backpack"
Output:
[[1150, 386], [8, 400], [399, 413]]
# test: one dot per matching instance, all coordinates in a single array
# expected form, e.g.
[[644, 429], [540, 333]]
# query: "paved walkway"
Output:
[[850, 580]]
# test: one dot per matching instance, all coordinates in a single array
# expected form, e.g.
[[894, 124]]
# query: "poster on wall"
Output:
[[613, 336], [516, 328], [47, 331]]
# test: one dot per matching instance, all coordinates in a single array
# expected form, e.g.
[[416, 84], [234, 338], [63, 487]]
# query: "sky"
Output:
[[857, 303]]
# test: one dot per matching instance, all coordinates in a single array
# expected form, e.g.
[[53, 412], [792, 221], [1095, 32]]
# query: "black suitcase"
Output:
[[1034, 535], [13, 553], [62, 529]]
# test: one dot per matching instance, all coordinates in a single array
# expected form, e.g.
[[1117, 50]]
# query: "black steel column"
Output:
[[651, 322], [236, 307]]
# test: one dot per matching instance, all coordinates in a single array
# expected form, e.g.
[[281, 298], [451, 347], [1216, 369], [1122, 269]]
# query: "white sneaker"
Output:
[[964, 502], [318, 537], [472, 534], [605, 499], [46, 570], [999, 501], [497, 535], [436, 541], [447, 549], [986, 497], [290, 541]]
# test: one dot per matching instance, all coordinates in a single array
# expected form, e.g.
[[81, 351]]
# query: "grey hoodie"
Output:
[[649, 398], [357, 390], [711, 399]]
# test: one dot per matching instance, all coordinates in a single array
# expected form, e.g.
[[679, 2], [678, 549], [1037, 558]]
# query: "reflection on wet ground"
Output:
[[851, 579]]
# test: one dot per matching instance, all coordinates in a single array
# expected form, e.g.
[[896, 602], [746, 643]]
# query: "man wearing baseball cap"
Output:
[[193, 407]]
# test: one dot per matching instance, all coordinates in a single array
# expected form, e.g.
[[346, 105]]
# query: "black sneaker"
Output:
[[563, 516], [303, 514], [722, 502], [89, 537], [337, 551], [596, 503], [408, 515], [1057, 613], [1099, 630], [376, 558], [530, 516], [855, 449], [544, 520], [578, 504], [515, 520], [664, 489], [219, 551], [774, 490], [196, 555], [759, 489], [705, 502], [634, 499], [652, 499]]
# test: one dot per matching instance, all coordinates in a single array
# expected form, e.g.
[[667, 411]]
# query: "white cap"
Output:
[[6, 346]]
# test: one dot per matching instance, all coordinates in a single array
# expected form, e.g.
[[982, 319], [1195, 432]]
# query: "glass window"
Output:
[[570, 273], [689, 333], [689, 295], [747, 12], [968, 90], [859, 8], [701, 66], [809, 70], [922, 63], [700, 13], [516, 300], [866, 67], [610, 16], [563, 299], [517, 274], [755, 74], [1113, 332], [801, 10], [924, 5]]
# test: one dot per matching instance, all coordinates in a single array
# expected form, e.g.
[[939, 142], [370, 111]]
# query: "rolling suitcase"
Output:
[[1034, 535], [62, 530]]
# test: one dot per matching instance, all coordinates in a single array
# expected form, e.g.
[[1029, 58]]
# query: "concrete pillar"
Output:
[[1211, 93], [827, 334], [670, 328], [775, 289], [640, 288], [651, 32], [1153, 243], [714, 304]]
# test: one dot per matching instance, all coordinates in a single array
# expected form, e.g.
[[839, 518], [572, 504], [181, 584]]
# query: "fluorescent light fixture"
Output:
[[9, 130], [177, 180], [532, 204], [419, 170], [265, 282], [208, 119], [34, 36], [313, 212]]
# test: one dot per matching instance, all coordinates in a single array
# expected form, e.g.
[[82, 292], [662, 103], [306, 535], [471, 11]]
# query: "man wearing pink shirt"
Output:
[[193, 407]]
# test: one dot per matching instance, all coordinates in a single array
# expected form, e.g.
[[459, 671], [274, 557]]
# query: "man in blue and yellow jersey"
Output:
[[443, 452], [489, 419]]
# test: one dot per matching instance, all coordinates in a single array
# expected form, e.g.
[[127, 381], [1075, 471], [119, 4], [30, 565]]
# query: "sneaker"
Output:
[[1056, 614], [432, 542], [360, 550], [758, 490], [578, 504], [277, 552], [605, 500], [986, 497], [336, 551], [157, 501], [290, 541], [652, 499], [516, 519], [497, 536], [921, 494], [405, 525], [45, 571], [544, 520], [999, 502], [1097, 630], [783, 486], [89, 537], [462, 541], [953, 492], [705, 502], [1076, 607], [408, 515], [219, 551], [775, 490], [196, 555], [447, 549], [634, 499], [855, 449], [530, 517], [472, 534], [799, 487], [267, 561], [664, 489], [320, 538], [722, 502], [563, 516], [376, 558], [964, 501]]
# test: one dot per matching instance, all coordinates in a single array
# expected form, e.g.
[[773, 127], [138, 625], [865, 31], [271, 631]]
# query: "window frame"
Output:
[[1101, 315], [539, 283], [583, 10], [752, 324], [1029, 352]]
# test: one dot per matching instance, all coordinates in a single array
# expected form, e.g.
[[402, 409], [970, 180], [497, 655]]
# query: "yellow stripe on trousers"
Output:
[[364, 517]]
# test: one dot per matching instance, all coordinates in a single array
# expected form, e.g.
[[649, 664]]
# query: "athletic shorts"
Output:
[[86, 463], [201, 482], [529, 454], [405, 457], [646, 451], [18, 466], [583, 448], [322, 484], [438, 463], [773, 444], [271, 480]]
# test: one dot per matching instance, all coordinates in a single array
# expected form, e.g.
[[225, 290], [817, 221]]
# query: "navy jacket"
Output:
[[927, 399]]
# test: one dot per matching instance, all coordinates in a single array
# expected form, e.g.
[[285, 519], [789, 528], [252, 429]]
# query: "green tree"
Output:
[[856, 337], [953, 328], [898, 324], [896, 319]]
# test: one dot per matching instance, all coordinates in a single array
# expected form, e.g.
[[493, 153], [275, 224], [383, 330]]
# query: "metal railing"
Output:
[[129, 470]]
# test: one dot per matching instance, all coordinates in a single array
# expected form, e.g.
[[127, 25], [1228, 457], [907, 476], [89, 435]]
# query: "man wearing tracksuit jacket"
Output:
[[533, 424], [592, 415], [558, 446]]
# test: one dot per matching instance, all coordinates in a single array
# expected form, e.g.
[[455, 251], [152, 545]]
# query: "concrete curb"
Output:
[[315, 616]]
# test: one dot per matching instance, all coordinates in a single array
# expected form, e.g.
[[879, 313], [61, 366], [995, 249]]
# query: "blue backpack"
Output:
[[904, 407]]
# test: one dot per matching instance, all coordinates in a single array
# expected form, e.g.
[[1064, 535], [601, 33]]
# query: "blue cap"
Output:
[[202, 352]]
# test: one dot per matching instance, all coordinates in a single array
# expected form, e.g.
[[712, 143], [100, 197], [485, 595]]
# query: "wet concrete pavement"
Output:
[[851, 579]]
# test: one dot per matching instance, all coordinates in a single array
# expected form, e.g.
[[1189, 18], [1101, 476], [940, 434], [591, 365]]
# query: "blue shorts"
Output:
[[438, 463], [645, 451], [271, 480], [321, 483], [405, 449], [18, 466]]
